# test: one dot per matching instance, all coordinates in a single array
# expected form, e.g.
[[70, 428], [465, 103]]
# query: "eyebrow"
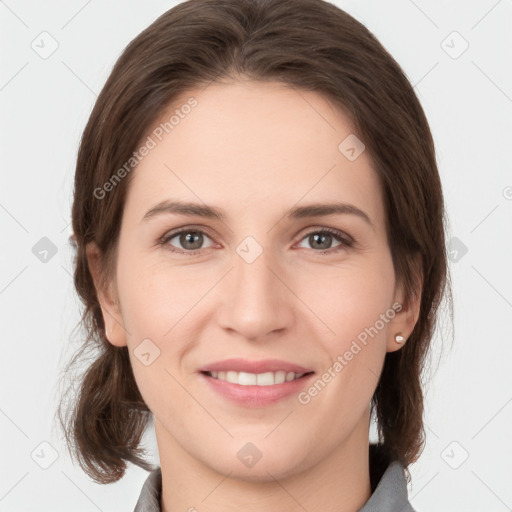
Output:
[[297, 212]]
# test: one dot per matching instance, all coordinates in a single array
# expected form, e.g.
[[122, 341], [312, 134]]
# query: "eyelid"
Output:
[[169, 235], [335, 232], [189, 227]]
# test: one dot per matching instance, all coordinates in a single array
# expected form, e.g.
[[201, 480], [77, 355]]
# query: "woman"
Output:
[[258, 223]]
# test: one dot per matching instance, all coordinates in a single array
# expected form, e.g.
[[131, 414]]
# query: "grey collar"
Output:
[[390, 495]]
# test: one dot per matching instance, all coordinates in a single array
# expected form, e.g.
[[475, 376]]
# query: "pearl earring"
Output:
[[399, 338]]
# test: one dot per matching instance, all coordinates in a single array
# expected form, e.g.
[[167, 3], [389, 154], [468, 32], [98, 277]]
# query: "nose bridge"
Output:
[[257, 302]]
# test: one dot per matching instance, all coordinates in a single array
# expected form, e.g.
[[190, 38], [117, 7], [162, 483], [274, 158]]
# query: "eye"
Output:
[[323, 238], [191, 240]]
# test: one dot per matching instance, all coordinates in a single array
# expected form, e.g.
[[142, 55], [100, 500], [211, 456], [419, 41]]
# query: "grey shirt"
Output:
[[388, 495]]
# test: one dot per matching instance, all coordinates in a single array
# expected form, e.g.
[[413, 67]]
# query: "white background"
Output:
[[45, 104]]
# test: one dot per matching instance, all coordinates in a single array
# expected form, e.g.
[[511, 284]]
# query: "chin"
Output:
[[266, 465]]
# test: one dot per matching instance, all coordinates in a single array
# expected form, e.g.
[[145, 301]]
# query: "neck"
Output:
[[339, 482]]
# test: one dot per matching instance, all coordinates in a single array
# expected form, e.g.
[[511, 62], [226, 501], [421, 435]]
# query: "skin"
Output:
[[256, 150]]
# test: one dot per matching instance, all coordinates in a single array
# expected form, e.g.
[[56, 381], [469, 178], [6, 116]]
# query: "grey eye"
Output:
[[190, 240], [321, 240]]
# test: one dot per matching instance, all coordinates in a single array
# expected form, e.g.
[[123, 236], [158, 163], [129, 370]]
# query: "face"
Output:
[[254, 285]]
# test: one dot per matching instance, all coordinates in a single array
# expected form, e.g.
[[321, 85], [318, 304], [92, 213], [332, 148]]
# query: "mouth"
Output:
[[255, 383], [255, 390], [255, 379]]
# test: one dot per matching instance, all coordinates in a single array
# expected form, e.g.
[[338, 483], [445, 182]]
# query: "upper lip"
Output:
[[262, 366]]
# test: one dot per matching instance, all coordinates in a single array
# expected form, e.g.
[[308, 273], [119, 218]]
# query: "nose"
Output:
[[256, 301]]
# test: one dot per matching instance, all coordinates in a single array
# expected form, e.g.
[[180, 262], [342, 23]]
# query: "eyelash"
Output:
[[346, 241]]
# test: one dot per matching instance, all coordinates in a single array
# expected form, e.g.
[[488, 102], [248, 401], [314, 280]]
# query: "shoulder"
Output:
[[389, 485], [149, 499]]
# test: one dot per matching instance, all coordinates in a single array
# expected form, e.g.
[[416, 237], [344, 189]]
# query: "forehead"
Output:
[[248, 146]]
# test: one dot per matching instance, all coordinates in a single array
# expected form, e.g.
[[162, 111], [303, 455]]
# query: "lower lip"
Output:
[[257, 396]]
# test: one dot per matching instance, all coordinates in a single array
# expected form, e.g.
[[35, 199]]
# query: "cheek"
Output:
[[350, 298], [155, 298], [360, 309], [356, 305], [161, 310]]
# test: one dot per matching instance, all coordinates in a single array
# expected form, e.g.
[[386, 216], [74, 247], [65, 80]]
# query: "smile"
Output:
[[255, 379], [255, 389]]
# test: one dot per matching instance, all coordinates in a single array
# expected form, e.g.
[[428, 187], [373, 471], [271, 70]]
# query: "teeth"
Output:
[[256, 379]]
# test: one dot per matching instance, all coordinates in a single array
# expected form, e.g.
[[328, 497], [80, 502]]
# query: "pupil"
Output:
[[325, 245], [187, 239]]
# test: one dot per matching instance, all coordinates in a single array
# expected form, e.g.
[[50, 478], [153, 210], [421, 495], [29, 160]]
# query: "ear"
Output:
[[107, 296], [407, 311]]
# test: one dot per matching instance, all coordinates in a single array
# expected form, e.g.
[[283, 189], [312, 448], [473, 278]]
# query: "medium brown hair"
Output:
[[311, 45]]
